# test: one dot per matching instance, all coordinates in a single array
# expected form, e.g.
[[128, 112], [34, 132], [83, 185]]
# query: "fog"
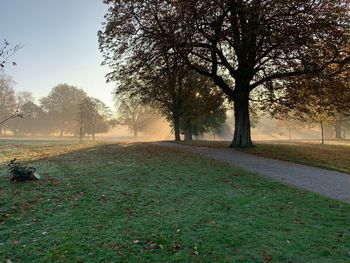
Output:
[[267, 129], [159, 130]]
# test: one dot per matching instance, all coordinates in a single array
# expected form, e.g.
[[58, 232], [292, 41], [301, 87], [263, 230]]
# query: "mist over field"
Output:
[[175, 131], [159, 129], [266, 129]]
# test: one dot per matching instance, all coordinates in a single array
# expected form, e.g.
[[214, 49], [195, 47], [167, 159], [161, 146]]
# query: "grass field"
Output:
[[334, 155], [142, 203]]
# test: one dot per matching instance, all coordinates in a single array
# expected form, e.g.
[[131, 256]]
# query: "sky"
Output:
[[60, 45]]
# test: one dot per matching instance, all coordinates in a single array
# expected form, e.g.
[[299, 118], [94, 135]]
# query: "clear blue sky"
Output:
[[60, 38]]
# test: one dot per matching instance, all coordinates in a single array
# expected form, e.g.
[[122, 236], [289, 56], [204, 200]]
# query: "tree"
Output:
[[25, 106], [8, 105], [189, 101], [30, 122], [6, 52], [315, 101], [204, 107], [318, 115], [96, 116], [340, 122], [291, 123], [162, 88], [23, 97], [62, 104], [133, 113], [241, 45]]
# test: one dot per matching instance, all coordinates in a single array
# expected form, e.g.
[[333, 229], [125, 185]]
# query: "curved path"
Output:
[[331, 184]]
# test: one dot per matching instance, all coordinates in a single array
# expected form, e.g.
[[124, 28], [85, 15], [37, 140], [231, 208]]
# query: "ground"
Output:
[[334, 155], [332, 184], [139, 203]]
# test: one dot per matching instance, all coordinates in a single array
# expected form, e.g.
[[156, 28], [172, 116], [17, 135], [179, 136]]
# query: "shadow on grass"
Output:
[[139, 203]]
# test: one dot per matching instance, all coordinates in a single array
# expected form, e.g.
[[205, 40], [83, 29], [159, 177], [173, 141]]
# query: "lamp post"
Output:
[[81, 123]]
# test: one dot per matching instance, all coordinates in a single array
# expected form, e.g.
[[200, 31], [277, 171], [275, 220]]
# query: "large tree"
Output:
[[161, 86], [34, 120], [189, 101], [62, 104], [133, 113], [240, 44], [96, 117]]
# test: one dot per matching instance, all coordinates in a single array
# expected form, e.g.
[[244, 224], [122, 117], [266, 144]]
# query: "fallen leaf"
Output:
[[194, 252], [175, 246], [267, 259]]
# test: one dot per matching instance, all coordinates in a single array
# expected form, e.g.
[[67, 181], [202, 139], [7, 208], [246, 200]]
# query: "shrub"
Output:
[[20, 173]]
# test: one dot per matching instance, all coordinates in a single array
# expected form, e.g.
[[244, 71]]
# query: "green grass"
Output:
[[334, 155], [329, 156], [143, 203]]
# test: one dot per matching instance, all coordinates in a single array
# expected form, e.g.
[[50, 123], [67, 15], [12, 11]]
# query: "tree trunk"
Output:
[[61, 133], [242, 135], [337, 128], [188, 132], [188, 135], [322, 132], [93, 136], [177, 127]]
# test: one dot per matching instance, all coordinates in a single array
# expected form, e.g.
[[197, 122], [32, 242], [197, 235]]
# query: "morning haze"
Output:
[[175, 131]]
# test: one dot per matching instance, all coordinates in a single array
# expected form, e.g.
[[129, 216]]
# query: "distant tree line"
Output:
[[63, 111]]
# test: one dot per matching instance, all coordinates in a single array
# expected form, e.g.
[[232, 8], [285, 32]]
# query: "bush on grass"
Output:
[[20, 173]]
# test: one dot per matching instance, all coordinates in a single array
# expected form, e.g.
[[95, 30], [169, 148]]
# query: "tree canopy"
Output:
[[240, 44], [96, 116], [62, 104]]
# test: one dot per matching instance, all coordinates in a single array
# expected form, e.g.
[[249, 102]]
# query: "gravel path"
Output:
[[331, 184]]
